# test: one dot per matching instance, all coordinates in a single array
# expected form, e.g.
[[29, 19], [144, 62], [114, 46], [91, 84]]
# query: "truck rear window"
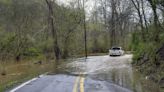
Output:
[[115, 48]]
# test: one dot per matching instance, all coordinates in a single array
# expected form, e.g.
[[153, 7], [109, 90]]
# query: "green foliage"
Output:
[[32, 52], [5, 1], [145, 54], [25, 31], [144, 48], [135, 41]]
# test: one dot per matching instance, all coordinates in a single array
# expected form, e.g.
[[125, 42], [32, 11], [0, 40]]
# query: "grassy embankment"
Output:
[[12, 73], [148, 59]]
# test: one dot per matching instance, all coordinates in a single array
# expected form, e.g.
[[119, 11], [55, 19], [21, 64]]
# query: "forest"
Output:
[[49, 29], [26, 29]]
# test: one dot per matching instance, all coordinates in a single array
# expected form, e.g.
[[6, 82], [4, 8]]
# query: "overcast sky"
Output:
[[88, 7]]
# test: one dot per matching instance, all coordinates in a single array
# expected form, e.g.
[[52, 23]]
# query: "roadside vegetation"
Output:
[[16, 73], [148, 40]]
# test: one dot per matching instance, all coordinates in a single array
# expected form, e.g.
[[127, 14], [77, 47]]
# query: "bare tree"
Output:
[[144, 16], [53, 30], [138, 7], [113, 22], [153, 4]]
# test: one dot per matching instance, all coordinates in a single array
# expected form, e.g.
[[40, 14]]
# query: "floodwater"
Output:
[[115, 70], [94, 74]]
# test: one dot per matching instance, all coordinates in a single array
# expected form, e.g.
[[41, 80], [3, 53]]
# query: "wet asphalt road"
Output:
[[95, 74], [65, 83]]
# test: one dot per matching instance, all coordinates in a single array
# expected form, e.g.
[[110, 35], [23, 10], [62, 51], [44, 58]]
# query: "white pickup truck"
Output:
[[116, 51]]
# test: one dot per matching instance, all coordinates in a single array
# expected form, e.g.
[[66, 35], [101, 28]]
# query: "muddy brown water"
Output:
[[116, 70]]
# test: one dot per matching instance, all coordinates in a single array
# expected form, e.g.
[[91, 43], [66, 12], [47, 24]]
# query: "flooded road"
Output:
[[94, 74], [115, 70]]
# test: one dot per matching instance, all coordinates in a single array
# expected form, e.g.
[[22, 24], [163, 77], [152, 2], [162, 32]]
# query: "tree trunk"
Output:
[[157, 31], [53, 30], [137, 6], [112, 33], [65, 52], [144, 16]]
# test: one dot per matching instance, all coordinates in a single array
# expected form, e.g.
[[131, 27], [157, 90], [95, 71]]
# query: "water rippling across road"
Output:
[[94, 74], [114, 70]]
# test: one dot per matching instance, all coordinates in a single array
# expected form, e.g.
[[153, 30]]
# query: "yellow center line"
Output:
[[82, 84], [80, 79], [76, 84]]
